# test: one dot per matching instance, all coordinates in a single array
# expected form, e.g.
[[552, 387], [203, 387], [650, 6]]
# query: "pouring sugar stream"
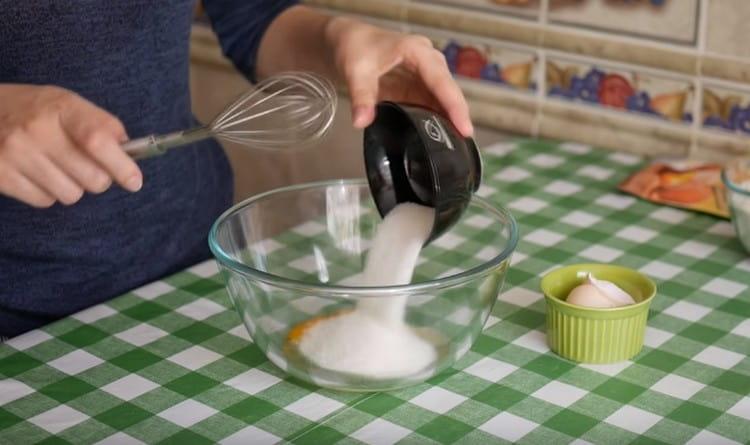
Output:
[[374, 339], [421, 186]]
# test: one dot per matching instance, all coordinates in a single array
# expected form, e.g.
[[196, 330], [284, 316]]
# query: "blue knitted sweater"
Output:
[[129, 57]]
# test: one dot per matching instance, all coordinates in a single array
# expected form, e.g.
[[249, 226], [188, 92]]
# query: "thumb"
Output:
[[363, 89]]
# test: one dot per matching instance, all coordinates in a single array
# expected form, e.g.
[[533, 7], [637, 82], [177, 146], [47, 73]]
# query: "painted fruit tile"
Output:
[[491, 64], [631, 91], [726, 109], [667, 20]]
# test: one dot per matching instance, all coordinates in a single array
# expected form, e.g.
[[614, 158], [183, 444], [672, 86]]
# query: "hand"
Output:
[[378, 64], [54, 145]]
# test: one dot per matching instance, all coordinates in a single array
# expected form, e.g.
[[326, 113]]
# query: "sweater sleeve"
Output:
[[240, 25]]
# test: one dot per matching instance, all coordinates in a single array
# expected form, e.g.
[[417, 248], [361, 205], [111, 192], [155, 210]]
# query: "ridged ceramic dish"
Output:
[[596, 335]]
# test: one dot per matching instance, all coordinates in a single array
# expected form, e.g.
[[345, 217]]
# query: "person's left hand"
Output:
[[378, 64]]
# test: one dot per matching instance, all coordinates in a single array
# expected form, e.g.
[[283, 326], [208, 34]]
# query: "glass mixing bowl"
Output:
[[736, 177], [292, 254]]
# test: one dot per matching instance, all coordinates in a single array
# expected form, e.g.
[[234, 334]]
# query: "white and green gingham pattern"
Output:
[[170, 362]]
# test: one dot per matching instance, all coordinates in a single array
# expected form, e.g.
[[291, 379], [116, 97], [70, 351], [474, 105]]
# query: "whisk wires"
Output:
[[286, 111]]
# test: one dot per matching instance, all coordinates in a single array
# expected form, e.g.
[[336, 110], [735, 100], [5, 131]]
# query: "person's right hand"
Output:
[[54, 145]]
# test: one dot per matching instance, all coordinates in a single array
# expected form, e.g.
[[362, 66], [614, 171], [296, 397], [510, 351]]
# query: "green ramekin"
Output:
[[596, 335]]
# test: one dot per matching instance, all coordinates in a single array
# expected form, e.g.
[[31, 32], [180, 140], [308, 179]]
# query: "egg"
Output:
[[612, 291], [590, 296], [599, 293]]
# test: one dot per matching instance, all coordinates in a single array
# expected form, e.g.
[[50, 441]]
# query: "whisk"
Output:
[[289, 110]]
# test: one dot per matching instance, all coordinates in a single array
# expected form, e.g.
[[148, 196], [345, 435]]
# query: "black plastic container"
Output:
[[413, 154]]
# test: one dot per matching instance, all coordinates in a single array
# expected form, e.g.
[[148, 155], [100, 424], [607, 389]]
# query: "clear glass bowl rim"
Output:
[[731, 185], [224, 259]]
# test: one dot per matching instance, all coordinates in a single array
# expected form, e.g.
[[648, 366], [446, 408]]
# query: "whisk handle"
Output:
[[155, 145], [142, 148]]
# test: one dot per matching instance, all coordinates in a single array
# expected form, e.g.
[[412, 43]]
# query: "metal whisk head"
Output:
[[287, 111]]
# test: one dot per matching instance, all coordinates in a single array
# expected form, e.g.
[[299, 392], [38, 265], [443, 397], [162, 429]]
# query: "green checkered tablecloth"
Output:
[[171, 363]]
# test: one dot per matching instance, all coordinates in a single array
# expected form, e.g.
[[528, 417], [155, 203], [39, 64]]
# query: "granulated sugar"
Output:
[[374, 340]]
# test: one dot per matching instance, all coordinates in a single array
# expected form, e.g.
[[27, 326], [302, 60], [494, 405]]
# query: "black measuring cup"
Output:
[[413, 154]]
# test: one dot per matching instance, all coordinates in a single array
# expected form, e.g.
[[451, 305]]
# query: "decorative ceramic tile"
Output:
[[726, 109], [668, 20], [616, 88], [727, 24], [489, 63], [523, 8]]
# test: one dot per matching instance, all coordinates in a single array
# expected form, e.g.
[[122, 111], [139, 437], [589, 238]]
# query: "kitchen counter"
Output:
[[171, 363]]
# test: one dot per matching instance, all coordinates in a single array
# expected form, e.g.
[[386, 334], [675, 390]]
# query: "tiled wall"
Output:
[[660, 77]]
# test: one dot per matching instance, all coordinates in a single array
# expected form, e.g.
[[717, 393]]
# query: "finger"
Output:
[[18, 186], [82, 168], [433, 70], [48, 176], [363, 89], [99, 134], [403, 85]]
